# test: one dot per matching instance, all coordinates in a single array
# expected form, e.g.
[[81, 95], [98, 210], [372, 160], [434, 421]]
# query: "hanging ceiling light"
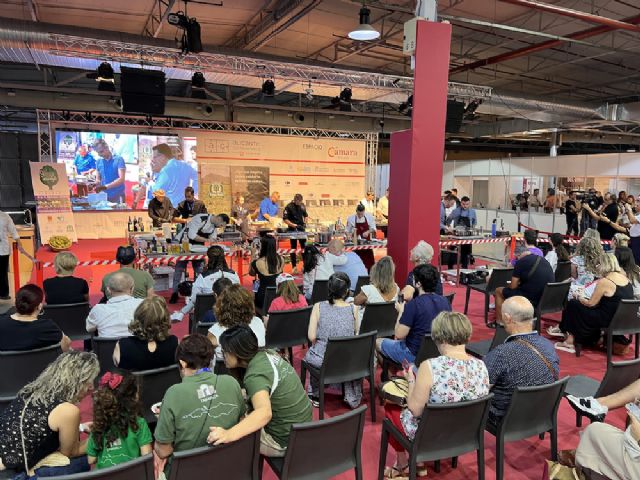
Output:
[[364, 31], [268, 88]]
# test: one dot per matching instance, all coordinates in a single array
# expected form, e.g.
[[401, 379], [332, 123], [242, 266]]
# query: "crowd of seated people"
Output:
[[275, 396]]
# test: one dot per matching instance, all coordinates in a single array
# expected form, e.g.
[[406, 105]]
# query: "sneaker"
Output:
[[555, 331], [174, 298], [589, 407], [315, 401], [492, 306]]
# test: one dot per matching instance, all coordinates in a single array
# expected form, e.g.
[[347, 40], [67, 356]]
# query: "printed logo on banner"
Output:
[[216, 146]]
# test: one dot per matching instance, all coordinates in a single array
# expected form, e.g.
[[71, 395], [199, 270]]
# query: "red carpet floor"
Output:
[[524, 459]]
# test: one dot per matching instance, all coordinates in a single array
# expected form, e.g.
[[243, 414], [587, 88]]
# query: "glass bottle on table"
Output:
[[130, 225]]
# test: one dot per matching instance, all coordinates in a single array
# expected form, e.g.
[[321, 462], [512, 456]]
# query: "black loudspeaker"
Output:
[[142, 91], [455, 112]]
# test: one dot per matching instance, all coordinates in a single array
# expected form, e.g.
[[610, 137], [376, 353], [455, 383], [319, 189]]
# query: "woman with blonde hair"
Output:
[[584, 263], [39, 429], [64, 287], [382, 288], [452, 377], [583, 319], [619, 240], [421, 254], [151, 344]]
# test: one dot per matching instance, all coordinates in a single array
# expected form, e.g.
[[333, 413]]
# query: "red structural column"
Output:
[[16, 267], [415, 180]]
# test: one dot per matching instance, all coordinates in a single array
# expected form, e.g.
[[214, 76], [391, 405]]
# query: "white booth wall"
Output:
[[496, 181]]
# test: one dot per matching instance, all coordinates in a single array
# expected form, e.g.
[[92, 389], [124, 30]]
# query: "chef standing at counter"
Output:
[[295, 216], [160, 209], [463, 216]]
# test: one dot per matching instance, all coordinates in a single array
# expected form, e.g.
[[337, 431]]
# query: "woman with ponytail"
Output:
[[333, 318]]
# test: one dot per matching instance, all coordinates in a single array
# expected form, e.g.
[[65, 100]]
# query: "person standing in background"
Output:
[[110, 170], [571, 213], [295, 216], [172, 175], [189, 207], [160, 209], [269, 208], [463, 216], [369, 202], [534, 200], [7, 228], [550, 201], [240, 216], [383, 206]]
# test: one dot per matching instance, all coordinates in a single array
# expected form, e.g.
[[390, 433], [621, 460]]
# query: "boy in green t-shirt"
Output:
[[119, 432], [201, 401]]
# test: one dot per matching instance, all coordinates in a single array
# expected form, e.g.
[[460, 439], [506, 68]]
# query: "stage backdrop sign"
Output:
[[53, 205], [328, 172]]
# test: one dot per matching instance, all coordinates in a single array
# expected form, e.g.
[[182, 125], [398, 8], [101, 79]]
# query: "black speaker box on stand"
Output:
[[142, 91]]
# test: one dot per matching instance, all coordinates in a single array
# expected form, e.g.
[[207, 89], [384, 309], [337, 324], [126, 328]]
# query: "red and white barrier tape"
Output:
[[570, 239], [476, 241]]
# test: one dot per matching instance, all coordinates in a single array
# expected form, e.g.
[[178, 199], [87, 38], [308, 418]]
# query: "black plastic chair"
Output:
[[203, 327], [238, 460], [379, 317], [499, 278], [553, 300], [450, 297], [446, 431], [71, 318], [532, 411], [20, 368], [624, 322], [288, 328], [345, 359], [139, 469], [427, 350], [618, 376], [320, 291], [481, 348], [362, 280], [269, 296], [103, 347], [563, 271], [204, 303], [323, 449], [153, 385]]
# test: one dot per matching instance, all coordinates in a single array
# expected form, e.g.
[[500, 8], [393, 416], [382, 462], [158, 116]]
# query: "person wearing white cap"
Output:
[[288, 295]]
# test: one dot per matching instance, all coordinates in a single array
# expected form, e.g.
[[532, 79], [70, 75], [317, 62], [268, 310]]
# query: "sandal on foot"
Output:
[[555, 332], [565, 347], [397, 473]]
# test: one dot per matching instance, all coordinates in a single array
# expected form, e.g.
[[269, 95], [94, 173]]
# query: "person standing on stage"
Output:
[[571, 212], [269, 208], [189, 207], [7, 228], [200, 229], [362, 223], [463, 216], [295, 216], [240, 216], [383, 206], [160, 209], [369, 202], [110, 171], [172, 175]]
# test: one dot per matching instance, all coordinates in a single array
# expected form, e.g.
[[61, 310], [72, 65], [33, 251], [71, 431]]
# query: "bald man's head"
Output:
[[120, 283], [336, 246], [518, 310]]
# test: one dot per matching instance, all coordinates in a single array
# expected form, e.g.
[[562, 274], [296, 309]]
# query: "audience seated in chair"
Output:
[[415, 317], [235, 307], [421, 254], [218, 287], [142, 280], [318, 266], [266, 268], [333, 318], [558, 252], [382, 287], [26, 329], [584, 318], [524, 359], [112, 319], [277, 397], [584, 264], [452, 377], [119, 432], [151, 344], [216, 269], [201, 401], [64, 287], [50, 418], [288, 297], [531, 273], [354, 268], [628, 265]]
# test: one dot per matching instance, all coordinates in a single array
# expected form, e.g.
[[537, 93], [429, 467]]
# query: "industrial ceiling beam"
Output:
[[538, 47], [568, 12], [157, 17]]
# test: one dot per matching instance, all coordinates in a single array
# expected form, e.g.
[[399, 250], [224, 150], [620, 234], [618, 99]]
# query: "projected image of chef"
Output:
[[110, 171], [172, 175], [84, 162]]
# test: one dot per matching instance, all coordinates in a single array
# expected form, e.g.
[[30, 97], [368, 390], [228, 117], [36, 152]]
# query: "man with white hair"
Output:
[[525, 359], [421, 254], [112, 319]]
